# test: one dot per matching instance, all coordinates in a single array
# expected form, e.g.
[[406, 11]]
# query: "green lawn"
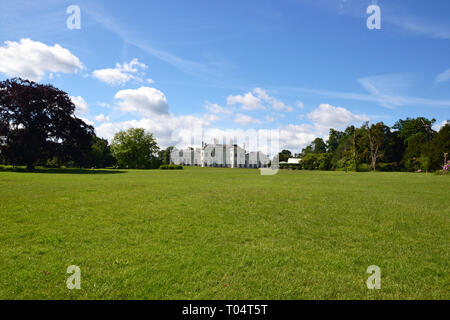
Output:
[[210, 233]]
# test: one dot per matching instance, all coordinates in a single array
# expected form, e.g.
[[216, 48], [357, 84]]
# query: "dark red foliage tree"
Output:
[[37, 122]]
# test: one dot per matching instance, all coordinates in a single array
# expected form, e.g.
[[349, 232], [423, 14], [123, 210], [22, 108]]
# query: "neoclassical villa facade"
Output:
[[220, 155]]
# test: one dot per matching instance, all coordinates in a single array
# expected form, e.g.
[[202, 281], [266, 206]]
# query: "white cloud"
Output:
[[259, 99], [103, 105], [295, 137], [394, 90], [247, 101], [327, 116], [245, 119], [211, 117], [102, 118], [274, 103], [269, 119], [388, 90], [384, 100], [133, 66], [192, 67], [122, 73], [167, 128], [215, 108], [444, 76], [438, 126], [112, 76], [145, 101], [32, 59], [388, 84], [416, 25], [81, 107], [300, 104], [184, 131]]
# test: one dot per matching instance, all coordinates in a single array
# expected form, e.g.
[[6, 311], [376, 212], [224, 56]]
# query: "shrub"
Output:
[[171, 167], [364, 167], [388, 167], [52, 163], [291, 166], [316, 161]]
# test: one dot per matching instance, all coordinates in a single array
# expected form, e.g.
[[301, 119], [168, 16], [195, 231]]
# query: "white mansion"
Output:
[[220, 155]]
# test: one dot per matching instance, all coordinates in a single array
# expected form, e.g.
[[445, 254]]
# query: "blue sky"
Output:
[[297, 66]]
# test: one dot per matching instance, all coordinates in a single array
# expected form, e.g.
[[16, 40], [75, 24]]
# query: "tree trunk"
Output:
[[355, 159], [374, 154], [373, 149]]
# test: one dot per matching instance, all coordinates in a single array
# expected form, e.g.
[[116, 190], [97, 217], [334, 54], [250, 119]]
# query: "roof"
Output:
[[294, 160]]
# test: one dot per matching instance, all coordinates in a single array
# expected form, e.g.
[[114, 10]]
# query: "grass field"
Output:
[[210, 233]]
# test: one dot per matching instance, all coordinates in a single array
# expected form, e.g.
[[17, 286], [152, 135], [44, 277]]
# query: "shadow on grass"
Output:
[[60, 170]]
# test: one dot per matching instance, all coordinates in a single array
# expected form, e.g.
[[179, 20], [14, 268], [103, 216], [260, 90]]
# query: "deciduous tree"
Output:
[[136, 149], [37, 122]]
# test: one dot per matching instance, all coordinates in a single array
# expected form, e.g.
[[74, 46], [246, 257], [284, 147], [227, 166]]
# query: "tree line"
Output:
[[409, 145], [38, 127]]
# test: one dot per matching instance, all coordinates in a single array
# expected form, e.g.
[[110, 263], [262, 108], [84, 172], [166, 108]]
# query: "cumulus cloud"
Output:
[[274, 103], [104, 105], [33, 60], [145, 101], [444, 76], [245, 119], [122, 73], [269, 119], [215, 108], [101, 118], [167, 128], [81, 106], [300, 104], [295, 137], [211, 117], [259, 99], [247, 101], [327, 116], [438, 126], [269, 141], [87, 121], [187, 131]]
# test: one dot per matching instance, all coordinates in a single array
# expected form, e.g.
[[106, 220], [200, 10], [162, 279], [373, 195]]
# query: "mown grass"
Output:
[[210, 233]]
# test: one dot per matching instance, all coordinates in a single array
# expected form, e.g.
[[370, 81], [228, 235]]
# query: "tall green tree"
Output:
[[100, 155], [135, 149], [378, 135], [284, 155], [411, 126], [439, 148], [164, 155], [317, 146], [417, 134], [334, 138]]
